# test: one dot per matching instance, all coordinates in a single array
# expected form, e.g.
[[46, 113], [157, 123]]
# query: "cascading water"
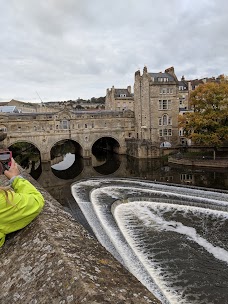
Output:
[[172, 238]]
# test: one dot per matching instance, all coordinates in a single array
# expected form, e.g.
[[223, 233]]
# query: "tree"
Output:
[[207, 124]]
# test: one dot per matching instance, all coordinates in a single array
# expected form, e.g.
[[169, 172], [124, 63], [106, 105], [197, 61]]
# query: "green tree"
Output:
[[207, 124]]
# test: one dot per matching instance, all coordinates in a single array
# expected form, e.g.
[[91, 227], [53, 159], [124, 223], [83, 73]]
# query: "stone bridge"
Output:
[[44, 130]]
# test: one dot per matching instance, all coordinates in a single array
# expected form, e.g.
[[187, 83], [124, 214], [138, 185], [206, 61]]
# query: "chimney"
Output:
[[170, 70], [129, 89], [144, 70], [137, 74]]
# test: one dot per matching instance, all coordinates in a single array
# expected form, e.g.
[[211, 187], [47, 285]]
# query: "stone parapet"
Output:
[[54, 260]]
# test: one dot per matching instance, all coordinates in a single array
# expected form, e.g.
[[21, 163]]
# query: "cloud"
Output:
[[66, 49]]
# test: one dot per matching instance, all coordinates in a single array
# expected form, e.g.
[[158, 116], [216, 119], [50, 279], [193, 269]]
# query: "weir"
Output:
[[172, 238], [55, 260]]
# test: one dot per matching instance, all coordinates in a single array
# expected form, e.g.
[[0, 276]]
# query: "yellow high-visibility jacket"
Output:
[[26, 202]]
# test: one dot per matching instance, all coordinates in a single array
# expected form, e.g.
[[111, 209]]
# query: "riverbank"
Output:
[[209, 163], [54, 260]]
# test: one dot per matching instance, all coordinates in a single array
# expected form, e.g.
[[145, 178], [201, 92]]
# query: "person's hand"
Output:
[[13, 170]]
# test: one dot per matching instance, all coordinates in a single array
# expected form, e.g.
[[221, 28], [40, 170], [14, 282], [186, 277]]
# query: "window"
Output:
[[85, 126], [165, 132], [65, 124], [123, 95], [164, 104], [163, 90], [163, 79], [164, 120]]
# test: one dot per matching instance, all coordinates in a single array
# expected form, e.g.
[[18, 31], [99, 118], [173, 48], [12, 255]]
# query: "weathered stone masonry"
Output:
[[54, 260]]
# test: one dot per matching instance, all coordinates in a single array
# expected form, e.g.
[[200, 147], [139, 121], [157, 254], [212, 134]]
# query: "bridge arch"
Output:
[[23, 141], [78, 147], [107, 142]]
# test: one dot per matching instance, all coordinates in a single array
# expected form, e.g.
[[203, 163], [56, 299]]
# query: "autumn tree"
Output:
[[207, 124]]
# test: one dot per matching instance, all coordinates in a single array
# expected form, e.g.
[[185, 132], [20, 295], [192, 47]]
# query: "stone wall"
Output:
[[200, 163], [54, 260]]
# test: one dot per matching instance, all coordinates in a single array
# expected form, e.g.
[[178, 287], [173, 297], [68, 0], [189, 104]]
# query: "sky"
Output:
[[67, 49]]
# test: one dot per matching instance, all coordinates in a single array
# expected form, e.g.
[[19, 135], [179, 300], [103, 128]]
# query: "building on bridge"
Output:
[[85, 128], [119, 99]]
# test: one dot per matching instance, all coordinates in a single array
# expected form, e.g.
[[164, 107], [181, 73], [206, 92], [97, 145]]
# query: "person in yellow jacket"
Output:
[[18, 207]]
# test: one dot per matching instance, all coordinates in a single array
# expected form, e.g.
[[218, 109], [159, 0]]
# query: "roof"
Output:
[[119, 92], [182, 83], [9, 109], [163, 75], [4, 103], [196, 81]]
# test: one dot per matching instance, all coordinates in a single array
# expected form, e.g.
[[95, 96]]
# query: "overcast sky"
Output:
[[65, 49]]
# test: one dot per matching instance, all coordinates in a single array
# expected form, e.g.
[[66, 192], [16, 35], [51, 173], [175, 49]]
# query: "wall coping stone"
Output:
[[55, 260]]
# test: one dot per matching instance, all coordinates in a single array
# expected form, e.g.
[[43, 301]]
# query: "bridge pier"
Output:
[[45, 156], [87, 153]]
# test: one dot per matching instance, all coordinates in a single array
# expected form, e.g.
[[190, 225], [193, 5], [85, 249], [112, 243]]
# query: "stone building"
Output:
[[184, 92], [185, 89], [157, 107], [119, 99]]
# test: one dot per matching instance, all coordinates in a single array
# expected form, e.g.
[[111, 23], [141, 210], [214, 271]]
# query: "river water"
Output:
[[172, 238]]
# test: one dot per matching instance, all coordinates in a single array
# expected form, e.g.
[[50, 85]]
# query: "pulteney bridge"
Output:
[[44, 130]]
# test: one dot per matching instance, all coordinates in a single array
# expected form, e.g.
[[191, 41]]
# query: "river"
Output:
[[172, 238]]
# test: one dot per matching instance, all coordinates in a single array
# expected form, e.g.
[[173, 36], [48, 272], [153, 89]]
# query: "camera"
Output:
[[5, 154], [5, 160]]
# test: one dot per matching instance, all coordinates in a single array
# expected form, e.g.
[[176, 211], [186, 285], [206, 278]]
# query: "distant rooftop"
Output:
[[9, 109]]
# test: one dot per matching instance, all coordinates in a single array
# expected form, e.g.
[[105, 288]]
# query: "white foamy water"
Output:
[[158, 231], [144, 212]]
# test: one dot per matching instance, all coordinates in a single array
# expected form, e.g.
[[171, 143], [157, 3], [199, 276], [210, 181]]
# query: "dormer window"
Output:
[[123, 95], [163, 79]]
